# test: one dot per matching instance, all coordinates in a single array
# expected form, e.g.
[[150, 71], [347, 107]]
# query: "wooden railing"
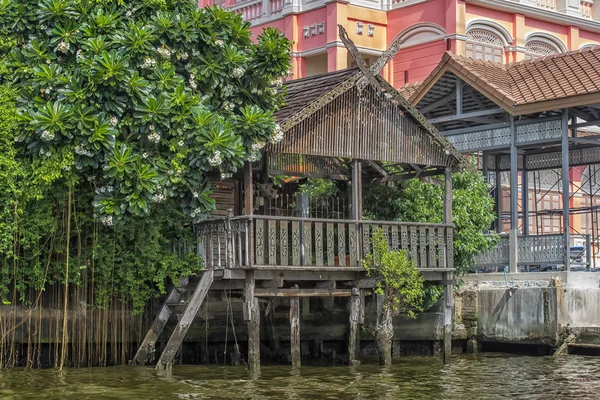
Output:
[[300, 242]]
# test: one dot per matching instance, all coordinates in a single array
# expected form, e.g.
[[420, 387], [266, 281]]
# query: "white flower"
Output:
[[113, 121], [128, 13], [107, 220], [277, 82], [144, 155], [238, 72], [80, 150], [180, 143], [193, 84], [154, 137], [254, 156], [47, 136], [225, 175], [229, 106], [219, 43], [63, 47], [48, 61], [195, 194], [183, 56], [164, 52], [277, 135], [157, 198], [258, 145], [215, 160], [80, 56], [149, 63]]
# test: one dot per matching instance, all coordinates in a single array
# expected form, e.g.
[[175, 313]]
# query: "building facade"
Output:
[[495, 30]]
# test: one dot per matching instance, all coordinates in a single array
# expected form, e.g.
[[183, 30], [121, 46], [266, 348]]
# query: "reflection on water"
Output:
[[484, 376]]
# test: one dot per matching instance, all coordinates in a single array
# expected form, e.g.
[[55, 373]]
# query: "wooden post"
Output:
[[356, 209], [354, 339], [249, 210], [252, 317], [295, 331], [448, 288], [384, 331]]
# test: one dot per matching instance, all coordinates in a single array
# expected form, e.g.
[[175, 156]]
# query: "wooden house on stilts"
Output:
[[338, 126]]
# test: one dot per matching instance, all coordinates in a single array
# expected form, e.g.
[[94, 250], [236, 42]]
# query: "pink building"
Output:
[[497, 30]]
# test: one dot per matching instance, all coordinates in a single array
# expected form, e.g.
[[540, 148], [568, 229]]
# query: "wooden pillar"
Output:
[[384, 331], [356, 210], [514, 201], [448, 287], [249, 210], [355, 321], [252, 318], [498, 198], [295, 331], [566, 190]]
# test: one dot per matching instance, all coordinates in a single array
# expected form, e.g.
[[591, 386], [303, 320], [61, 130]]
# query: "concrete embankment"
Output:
[[536, 312]]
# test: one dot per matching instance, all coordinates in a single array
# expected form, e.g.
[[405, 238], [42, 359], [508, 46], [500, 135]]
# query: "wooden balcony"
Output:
[[320, 244]]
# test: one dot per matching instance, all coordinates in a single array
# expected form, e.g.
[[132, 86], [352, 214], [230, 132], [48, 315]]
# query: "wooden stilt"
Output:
[[384, 331], [295, 331], [354, 340], [252, 317], [448, 310]]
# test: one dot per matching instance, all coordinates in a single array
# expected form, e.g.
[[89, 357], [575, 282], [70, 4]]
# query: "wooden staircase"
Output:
[[174, 299]]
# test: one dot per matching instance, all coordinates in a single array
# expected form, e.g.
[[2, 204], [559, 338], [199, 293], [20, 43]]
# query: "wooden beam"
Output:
[[438, 103], [469, 115], [585, 140], [302, 292], [353, 339]]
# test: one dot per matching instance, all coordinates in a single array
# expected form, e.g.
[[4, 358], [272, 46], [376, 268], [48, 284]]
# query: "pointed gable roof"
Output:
[[562, 80], [325, 115]]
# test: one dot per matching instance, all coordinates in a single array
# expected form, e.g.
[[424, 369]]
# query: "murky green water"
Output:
[[485, 376]]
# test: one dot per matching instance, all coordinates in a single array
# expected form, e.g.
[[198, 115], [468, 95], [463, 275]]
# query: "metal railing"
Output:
[[534, 250]]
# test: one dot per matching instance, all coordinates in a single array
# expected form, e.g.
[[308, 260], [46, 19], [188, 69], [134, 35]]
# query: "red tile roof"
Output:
[[527, 85]]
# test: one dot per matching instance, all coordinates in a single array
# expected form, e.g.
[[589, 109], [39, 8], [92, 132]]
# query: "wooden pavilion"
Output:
[[334, 128], [523, 118]]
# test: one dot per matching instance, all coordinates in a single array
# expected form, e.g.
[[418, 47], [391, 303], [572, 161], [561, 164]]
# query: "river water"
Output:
[[482, 376]]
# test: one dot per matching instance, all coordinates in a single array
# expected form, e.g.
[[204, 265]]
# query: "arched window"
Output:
[[540, 45], [486, 45]]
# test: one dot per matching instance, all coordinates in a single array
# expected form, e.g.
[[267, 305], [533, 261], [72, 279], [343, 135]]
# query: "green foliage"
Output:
[[401, 281], [128, 106], [145, 97], [472, 210]]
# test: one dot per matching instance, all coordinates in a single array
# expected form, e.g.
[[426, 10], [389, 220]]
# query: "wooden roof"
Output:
[[541, 84], [326, 115]]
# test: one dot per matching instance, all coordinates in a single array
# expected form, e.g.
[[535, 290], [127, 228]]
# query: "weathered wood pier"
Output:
[[349, 125]]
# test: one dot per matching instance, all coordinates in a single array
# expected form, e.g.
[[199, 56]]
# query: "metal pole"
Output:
[[525, 200], [514, 183], [566, 189]]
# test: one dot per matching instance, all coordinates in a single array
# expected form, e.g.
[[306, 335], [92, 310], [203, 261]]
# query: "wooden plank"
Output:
[[259, 242], [404, 237], [318, 243], [296, 243], [307, 243], [422, 248], [252, 316], [283, 242], [302, 292], [272, 242], [342, 244], [141, 356], [413, 244], [431, 242], [352, 245], [441, 247], [330, 245], [183, 325], [395, 237]]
